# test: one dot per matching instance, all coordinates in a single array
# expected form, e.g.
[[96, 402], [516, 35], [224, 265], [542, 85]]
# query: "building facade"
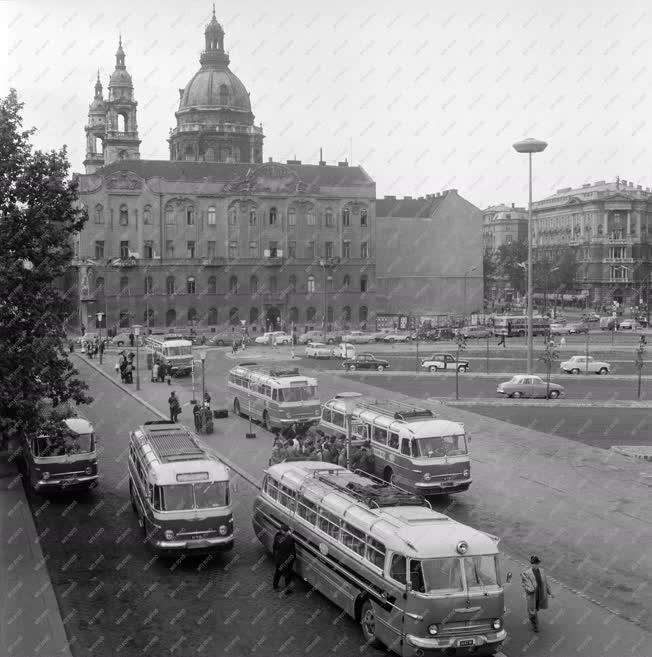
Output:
[[214, 236], [429, 255], [607, 224], [503, 224]]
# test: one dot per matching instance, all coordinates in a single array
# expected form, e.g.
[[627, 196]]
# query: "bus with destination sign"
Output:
[[418, 582], [172, 350], [411, 446], [179, 490], [516, 325], [277, 397]]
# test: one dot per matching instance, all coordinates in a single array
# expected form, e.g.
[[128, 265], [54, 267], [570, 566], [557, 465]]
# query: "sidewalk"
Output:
[[30, 620]]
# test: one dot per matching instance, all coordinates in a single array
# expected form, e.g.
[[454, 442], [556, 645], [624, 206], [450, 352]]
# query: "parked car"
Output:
[[577, 327], [225, 338], [398, 337], [311, 336], [629, 325], [525, 385], [333, 337], [365, 362], [356, 337], [318, 350], [445, 334], [379, 336], [578, 364], [439, 362], [642, 320], [558, 328], [280, 338], [345, 350], [591, 318], [607, 323], [476, 332]]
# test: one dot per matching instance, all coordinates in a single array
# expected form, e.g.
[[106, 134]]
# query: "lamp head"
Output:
[[530, 146]]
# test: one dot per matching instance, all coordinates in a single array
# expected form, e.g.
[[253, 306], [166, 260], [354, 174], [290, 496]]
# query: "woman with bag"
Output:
[[535, 585]]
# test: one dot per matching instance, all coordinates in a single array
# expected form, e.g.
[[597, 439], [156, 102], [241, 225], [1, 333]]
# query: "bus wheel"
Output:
[[236, 407], [266, 421], [388, 475], [368, 624]]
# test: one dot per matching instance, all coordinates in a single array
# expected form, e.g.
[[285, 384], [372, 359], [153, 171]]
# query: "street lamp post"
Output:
[[529, 146], [322, 264], [136, 328], [99, 323], [464, 295], [349, 399], [202, 356]]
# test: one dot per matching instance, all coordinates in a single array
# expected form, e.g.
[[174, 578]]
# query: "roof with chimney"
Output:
[[408, 207]]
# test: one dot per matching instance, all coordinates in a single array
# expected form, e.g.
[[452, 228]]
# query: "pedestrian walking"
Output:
[[175, 406], [502, 340], [196, 412], [155, 372], [131, 339], [207, 400], [537, 591], [284, 552], [562, 342]]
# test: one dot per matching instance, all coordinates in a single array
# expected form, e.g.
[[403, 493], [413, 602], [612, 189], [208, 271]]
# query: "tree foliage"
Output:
[[39, 214], [511, 258]]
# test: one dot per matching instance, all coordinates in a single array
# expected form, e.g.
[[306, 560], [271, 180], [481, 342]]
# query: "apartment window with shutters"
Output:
[[272, 216], [346, 249], [311, 283], [364, 250], [148, 250], [363, 284], [169, 215], [169, 249], [292, 249], [328, 249], [310, 250], [273, 249], [253, 217], [210, 249], [190, 247], [233, 249], [211, 216], [190, 284], [124, 249], [328, 220], [253, 249], [99, 250], [99, 214]]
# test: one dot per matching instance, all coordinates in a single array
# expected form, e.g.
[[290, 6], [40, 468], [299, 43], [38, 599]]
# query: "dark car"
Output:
[[365, 362], [225, 338], [577, 327]]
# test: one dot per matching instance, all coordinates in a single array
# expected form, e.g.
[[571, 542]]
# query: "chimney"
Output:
[[269, 159], [585, 185], [390, 198], [639, 186], [631, 184], [343, 164], [512, 206], [407, 198], [293, 162], [322, 163]]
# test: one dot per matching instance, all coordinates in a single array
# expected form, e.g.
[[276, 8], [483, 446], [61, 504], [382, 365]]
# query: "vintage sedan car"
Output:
[[577, 364], [398, 337], [476, 332], [525, 385], [442, 362], [365, 362], [577, 327], [318, 350], [558, 328], [629, 325], [311, 336], [356, 337], [225, 338], [280, 338]]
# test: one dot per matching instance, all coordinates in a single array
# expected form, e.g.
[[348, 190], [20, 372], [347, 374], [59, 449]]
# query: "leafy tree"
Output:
[[38, 216], [548, 357], [489, 271], [510, 258], [567, 263]]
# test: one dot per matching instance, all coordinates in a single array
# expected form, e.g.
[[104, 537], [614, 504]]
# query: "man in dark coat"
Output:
[[537, 591], [284, 552], [175, 406]]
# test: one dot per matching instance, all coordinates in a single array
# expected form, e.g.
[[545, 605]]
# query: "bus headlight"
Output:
[[497, 623], [426, 476], [89, 470], [46, 475], [223, 529], [169, 535], [432, 630], [466, 473]]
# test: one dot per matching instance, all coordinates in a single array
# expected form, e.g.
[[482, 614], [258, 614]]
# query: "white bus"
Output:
[[174, 351], [274, 396], [411, 447], [417, 581], [179, 490]]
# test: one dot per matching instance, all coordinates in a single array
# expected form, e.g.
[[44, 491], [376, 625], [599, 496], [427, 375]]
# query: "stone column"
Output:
[[605, 223], [629, 223]]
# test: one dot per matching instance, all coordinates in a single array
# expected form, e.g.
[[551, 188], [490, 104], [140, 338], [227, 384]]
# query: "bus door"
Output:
[[389, 617]]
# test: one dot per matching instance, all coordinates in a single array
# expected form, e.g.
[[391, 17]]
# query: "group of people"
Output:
[[202, 415], [161, 372], [300, 443], [93, 347], [240, 344], [125, 365]]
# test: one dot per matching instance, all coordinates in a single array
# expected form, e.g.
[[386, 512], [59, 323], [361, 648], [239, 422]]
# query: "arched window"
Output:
[[346, 282], [124, 319], [363, 313], [209, 154], [363, 217], [346, 217], [310, 314], [328, 217], [190, 285], [292, 283], [233, 216], [346, 313], [253, 219], [192, 315], [329, 314], [149, 317], [311, 283], [294, 315], [99, 214], [149, 284], [190, 216], [99, 285], [211, 216], [169, 215], [273, 284], [124, 215], [225, 155], [363, 283], [169, 285], [224, 95], [253, 316], [212, 316], [253, 285], [147, 214], [124, 284], [292, 217], [122, 122], [234, 316], [272, 216], [233, 285], [171, 317], [212, 285]]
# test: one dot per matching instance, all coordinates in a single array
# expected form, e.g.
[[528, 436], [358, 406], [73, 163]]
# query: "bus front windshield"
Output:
[[437, 446], [183, 497], [300, 393], [74, 443], [454, 574], [179, 351]]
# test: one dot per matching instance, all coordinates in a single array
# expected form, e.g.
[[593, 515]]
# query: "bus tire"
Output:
[[266, 423], [368, 624], [236, 408]]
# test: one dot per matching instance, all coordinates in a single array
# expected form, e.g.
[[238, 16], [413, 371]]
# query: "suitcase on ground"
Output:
[[220, 413]]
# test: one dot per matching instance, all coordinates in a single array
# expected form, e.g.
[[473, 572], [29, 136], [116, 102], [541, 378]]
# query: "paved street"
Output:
[[529, 488]]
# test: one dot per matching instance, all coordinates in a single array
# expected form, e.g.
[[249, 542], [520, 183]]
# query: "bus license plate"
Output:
[[198, 544], [466, 642]]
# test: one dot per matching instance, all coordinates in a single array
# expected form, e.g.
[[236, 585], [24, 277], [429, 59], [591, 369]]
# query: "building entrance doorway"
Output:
[[273, 318]]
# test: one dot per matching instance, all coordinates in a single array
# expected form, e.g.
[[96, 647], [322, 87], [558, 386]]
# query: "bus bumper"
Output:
[[199, 545], [442, 487], [71, 483], [477, 644], [297, 420]]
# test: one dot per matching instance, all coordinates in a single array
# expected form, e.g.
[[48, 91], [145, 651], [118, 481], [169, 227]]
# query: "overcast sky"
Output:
[[424, 95]]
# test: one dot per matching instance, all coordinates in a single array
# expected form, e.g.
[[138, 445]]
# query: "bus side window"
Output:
[[405, 446], [326, 414], [275, 395], [398, 569], [380, 435], [393, 440], [376, 553], [415, 448]]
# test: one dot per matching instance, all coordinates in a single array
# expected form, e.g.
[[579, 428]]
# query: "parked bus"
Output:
[[417, 581], [277, 397], [179, 490], [411, 447], [173, 350], [516, 325], [65, 460]]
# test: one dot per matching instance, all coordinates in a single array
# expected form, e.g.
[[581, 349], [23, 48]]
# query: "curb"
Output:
[[641, 452], [543, 403]]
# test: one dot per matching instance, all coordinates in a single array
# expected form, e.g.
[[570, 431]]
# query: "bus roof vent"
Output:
[[174, 443], [247, 364], [282, 373], [416, 414]]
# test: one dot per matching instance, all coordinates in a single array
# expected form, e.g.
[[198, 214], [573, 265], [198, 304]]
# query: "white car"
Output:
[[579, 364], [398, 337], [311, 336], [318, 350], [558, 328], [279, 337], [356, 337], [629, 325]]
